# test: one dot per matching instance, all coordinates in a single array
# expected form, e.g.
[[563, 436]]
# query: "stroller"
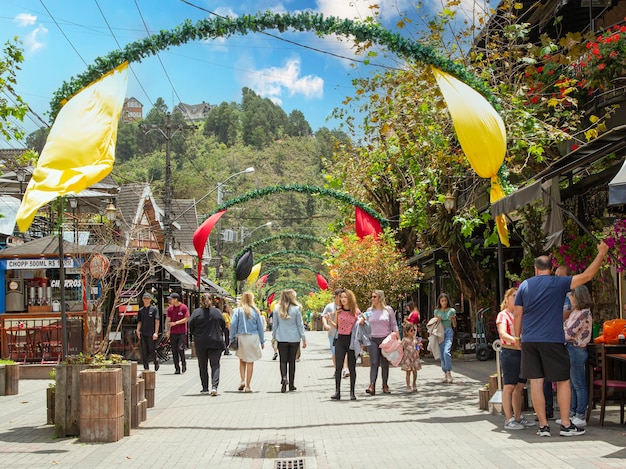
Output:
[[163, 348]]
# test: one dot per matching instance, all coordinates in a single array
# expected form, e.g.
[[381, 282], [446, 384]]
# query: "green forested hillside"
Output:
[[282, 149]]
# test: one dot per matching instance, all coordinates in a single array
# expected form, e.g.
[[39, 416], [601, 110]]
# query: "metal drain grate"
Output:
[[297, 463]]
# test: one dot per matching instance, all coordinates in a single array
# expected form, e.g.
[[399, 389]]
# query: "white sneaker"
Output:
[[513, 424], [581, 423]]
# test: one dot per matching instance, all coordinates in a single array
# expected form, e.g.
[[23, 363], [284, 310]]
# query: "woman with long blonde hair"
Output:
[[247, 326], [382, 320], [288, 330]]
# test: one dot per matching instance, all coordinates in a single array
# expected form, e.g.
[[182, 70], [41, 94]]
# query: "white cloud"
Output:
[[273, 82], [32, 42], [25, 19]]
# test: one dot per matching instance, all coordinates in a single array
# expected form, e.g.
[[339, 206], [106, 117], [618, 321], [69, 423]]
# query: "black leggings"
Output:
[[288, 351], [342, 347]]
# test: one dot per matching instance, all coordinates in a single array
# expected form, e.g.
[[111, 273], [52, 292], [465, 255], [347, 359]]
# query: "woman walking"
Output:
[[345, 318], [207, 327], [578, 328], [382, 321], [288, 330], [447, 315], [247, 326]]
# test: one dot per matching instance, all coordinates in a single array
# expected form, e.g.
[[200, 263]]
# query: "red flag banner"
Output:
[[321, 282], [270, 299], [261, 282], [200, 237], [365, 224]]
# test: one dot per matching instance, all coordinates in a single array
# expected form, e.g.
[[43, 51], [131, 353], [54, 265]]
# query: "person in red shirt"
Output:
[[176, 327]]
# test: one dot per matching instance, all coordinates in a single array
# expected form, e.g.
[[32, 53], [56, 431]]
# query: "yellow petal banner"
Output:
[[254, 273], [80, 150], [481, 133]]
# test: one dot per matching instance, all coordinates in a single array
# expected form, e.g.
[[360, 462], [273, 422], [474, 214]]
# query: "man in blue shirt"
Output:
[[538, 325]]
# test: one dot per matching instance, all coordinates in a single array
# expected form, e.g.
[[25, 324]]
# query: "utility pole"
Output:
[[168, 131]]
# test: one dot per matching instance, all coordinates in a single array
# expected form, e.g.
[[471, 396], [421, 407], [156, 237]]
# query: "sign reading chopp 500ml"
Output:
[[17, 264]]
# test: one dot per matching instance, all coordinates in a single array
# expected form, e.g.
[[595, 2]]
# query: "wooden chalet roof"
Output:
[[185, 223]]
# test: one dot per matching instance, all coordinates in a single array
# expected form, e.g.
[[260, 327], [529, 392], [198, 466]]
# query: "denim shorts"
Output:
[[510, 362]]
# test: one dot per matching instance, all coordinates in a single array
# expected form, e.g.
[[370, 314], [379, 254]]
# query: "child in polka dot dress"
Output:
[[411, 359]]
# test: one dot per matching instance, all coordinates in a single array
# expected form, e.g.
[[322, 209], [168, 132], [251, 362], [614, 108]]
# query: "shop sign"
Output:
[[32, 264], [69, 283]]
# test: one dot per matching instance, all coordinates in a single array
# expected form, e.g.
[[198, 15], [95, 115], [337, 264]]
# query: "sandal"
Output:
[[241, 386]]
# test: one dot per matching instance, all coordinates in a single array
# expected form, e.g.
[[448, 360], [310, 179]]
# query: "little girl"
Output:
[[411, 358]]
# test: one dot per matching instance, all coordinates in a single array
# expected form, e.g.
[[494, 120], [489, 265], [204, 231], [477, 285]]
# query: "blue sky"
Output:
[[62, 37]]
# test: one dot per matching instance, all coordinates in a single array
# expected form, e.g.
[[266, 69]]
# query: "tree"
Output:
[[36, 140], [297, 125], [223, 123], [405, 157], [13, 106], [364, 265]]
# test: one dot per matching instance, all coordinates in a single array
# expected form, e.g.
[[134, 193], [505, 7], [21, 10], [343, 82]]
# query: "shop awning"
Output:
[[186, 281], [214, 288], [612, 142], [617, 188]]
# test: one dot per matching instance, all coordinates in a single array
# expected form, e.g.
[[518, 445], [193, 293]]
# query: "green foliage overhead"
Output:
[[11, 105], [226, 27]]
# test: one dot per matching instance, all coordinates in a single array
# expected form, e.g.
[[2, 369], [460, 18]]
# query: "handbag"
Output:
[[234, 344]]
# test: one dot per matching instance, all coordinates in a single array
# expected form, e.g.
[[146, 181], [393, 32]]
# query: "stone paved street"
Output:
[[440, 426]]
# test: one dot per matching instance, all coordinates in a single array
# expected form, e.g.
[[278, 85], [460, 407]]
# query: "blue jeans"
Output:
[[445, 347], [580, 394]]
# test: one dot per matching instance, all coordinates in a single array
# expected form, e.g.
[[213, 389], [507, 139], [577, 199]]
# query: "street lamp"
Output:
[[449, 202], [245, 235], [111, 212], [217, 188], [20, 174], [74, 205]]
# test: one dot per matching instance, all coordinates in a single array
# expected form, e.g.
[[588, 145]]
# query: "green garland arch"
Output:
[[290, 251], [226, 27], [290, 284], [290, 266], [303, 189], [269, 239]]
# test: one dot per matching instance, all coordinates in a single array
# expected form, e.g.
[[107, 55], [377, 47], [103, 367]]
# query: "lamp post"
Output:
[[220, 195], [74, 205], [245, 235], [20, 174]]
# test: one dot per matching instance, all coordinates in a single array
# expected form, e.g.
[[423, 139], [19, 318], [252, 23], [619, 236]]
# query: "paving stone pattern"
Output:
[[440, 426]]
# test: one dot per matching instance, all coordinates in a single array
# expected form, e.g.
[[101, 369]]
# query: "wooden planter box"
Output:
[[67, 397], [9, 379], [50, 400], [483, 399], [101, 405], [365, 360]]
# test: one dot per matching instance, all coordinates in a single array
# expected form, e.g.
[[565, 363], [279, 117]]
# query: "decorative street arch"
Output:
[[290, 266], [302, 189], [296, 252], [211, 28], [269, 239]]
